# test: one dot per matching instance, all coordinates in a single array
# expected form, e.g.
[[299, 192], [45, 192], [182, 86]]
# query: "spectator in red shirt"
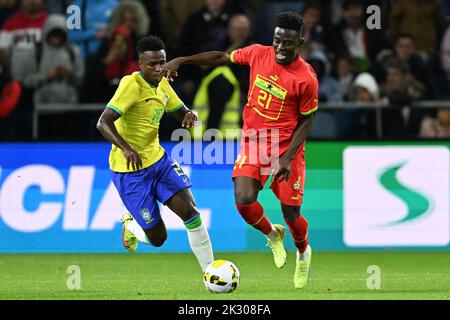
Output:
[[110, 65], [24, 29], [10, 92], [9, 89], [120, 61]]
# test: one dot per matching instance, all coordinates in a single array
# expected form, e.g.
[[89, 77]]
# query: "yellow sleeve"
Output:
[[174, 103], [126, 95]]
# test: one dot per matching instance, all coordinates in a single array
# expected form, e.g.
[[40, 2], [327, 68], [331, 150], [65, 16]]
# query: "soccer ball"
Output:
[[221, 276]]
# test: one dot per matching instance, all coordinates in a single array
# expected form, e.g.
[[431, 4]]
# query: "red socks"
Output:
[[253, 214], [299, 232]]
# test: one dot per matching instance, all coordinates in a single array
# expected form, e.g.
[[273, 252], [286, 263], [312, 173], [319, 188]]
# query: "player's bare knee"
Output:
[[186, 211], [191, 212], [245, 197], [156, 236], [158, 241]]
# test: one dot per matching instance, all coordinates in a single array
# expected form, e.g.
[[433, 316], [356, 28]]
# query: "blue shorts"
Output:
[[139, 190]]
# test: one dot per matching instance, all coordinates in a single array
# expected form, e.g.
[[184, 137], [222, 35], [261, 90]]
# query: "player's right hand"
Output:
[[133, 159]]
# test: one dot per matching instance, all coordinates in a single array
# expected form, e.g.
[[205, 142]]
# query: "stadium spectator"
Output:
[[436, 127], [23, 29], [120, 60], [54, 70], [132, 15], [366, 88], [313, 29], [344, 71], [173, 14], [445, 57], [335, 11], [325, 125], [359, 123], [10, 92], [223, 91], [7, 9], [239, 36], [94, 21], [401, 90], [204, 30], [328, 85], [109, 66], [424, 19], [405, 50], [238, 32], [117, 52], [351, 37], [445, 51], [362, 123]]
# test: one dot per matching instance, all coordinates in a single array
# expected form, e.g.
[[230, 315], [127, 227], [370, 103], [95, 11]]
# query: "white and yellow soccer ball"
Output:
[[221, 276]]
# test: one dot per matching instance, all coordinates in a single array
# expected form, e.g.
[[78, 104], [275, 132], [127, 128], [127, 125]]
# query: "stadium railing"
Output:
[[50, 109], [58, 108]]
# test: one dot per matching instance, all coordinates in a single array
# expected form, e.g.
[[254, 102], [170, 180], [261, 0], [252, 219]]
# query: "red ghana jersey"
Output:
[[22, 30], [278, 95]]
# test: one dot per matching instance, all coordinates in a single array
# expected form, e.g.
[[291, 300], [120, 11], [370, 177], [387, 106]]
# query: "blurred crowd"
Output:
[[45, 60]]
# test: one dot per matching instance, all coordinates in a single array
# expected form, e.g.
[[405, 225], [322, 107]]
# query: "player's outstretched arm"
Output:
[[208, 59], [107, 128]]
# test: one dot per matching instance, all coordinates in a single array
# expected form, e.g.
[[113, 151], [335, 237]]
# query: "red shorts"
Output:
[[288, 192]]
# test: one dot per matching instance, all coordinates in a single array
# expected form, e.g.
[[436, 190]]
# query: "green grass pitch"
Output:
[[404, 275]]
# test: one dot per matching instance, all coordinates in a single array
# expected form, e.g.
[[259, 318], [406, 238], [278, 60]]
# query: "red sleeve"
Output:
[[309, 96], [13, 23], [244, 55], [9, 97]]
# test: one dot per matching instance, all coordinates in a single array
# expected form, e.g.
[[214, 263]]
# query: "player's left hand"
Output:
[[190, 119], [170, 69], [283, 171]]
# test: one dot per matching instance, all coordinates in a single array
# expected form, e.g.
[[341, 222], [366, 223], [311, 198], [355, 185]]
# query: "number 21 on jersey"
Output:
[[270, 97]]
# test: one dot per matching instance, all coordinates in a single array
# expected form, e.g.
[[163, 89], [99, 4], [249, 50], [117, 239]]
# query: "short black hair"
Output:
[[150, 43], [291, 21], [402, 35], [397, 64]]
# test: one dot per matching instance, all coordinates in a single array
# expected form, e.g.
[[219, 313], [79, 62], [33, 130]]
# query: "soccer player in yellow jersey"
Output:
[[141, 170]]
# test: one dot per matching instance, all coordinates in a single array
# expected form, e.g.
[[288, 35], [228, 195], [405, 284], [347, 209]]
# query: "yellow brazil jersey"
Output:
[[141, 107]]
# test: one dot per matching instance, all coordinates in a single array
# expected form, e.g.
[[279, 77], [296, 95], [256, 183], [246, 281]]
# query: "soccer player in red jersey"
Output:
[[282, 100]]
